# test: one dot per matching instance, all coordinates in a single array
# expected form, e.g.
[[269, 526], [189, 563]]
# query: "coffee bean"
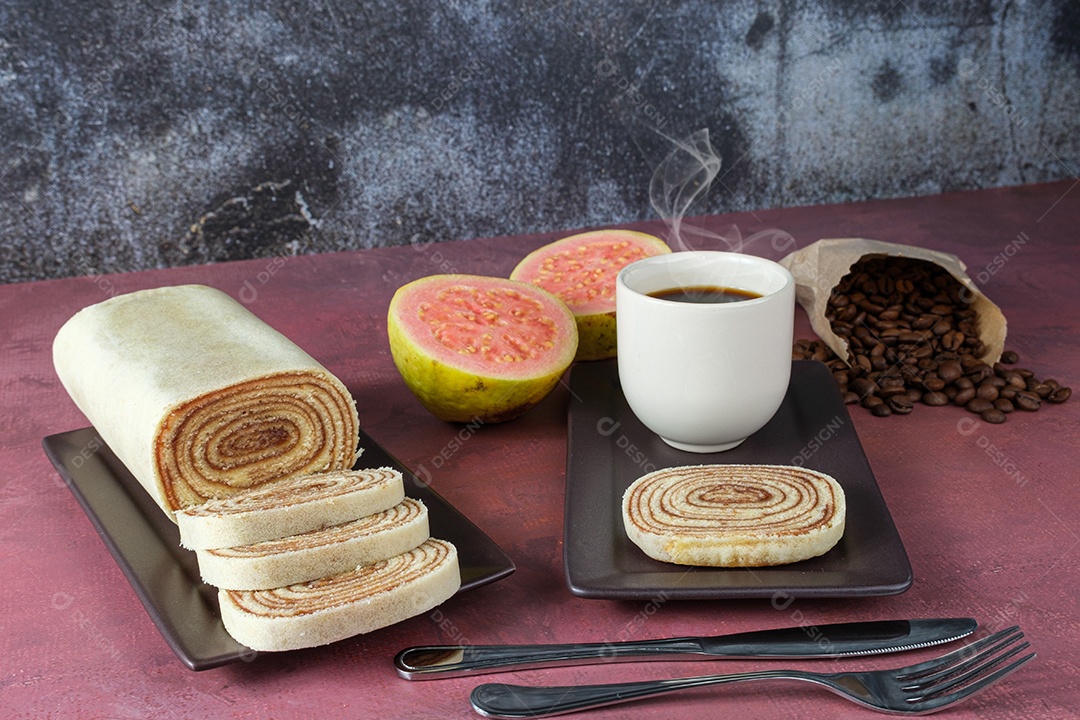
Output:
[[1009, 357], [911, 336], [1060, 395], [925, 322], [979, 405], [979, 372], [987, 392], [1042, 390], [881, 410], [901, 404], [953, 340], [963, 397], [1027, 401], [933, 382], [935, 399], [890, 386], [863, 387], [993, 415], [850, 398], [889, 333], [949, 371], [966, 361], [1004, 405]]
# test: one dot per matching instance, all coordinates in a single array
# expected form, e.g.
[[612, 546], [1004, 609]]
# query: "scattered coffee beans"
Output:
[[913, 339]]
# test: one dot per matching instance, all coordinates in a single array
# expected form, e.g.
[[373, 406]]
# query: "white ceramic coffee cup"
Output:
[[704, 377]]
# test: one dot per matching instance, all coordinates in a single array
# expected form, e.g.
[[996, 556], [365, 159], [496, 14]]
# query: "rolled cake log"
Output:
[[734, 515], [340, 606], [329, 551], [199, 398], [290, 506]]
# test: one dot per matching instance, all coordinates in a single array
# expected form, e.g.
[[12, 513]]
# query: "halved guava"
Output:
[[475, 348], [580, 270]]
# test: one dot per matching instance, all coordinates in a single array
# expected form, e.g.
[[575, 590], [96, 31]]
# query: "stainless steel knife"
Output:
[[819, 641]]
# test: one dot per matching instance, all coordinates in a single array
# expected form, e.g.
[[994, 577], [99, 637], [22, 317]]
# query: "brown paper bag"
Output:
[[819, 267]]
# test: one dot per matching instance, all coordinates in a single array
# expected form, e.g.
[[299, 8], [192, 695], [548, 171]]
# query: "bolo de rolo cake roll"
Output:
[[199, 398], [734, 515], [287, 507], [329, 551], [340, 606]]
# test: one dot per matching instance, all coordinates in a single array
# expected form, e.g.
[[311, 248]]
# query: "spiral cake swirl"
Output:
[[199, 398], [254, 432], [734, 515], [329, 551], [287, 507], [340, 606]]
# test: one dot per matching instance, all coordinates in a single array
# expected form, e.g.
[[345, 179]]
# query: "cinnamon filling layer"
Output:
[[350, 587], [297, 491], [405, 513]]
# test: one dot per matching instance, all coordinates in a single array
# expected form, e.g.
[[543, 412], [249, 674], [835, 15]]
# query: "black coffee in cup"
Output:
[[704, 294]]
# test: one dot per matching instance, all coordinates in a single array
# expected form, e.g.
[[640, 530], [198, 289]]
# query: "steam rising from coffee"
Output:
[[681, 182], [682, 179]]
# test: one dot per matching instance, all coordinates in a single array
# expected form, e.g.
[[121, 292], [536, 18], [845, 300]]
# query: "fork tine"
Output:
[[984, 663], [946, 661], [931, 679], [923, 705]]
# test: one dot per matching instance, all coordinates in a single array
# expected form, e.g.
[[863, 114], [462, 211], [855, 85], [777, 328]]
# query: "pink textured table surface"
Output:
[[990, 515]]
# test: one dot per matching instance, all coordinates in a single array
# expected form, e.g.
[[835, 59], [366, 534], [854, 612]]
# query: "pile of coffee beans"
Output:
[[913, 339]]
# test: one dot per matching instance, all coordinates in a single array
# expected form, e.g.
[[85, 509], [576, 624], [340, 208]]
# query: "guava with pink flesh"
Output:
[[580, 270], [479, 349]]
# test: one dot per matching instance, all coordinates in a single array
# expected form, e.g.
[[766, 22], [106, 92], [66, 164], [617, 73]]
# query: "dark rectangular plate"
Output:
[[165, 576], [609, 448]]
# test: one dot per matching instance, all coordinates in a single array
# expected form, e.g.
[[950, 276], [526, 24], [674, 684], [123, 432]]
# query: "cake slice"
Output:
[[316, 554], [287, 507], [343, 605], [734, 515]]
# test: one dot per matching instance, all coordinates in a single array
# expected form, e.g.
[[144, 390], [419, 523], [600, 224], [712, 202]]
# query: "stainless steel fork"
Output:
[[913, 690]]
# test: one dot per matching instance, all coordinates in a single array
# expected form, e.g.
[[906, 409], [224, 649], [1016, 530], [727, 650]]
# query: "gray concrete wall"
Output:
[[153, 134]]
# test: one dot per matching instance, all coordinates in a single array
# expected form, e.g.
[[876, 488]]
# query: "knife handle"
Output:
[[442, 661]]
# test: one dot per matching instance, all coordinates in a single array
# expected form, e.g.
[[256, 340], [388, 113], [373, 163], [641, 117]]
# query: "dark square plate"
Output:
[[165, 576], [609, 448]]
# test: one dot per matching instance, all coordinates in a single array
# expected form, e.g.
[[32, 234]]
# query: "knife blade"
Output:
[[818, 641]]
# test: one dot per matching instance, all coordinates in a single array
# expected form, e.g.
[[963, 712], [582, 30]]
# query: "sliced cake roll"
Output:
[[329, 551], [734, 515], [340, 606], [287, 507]]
